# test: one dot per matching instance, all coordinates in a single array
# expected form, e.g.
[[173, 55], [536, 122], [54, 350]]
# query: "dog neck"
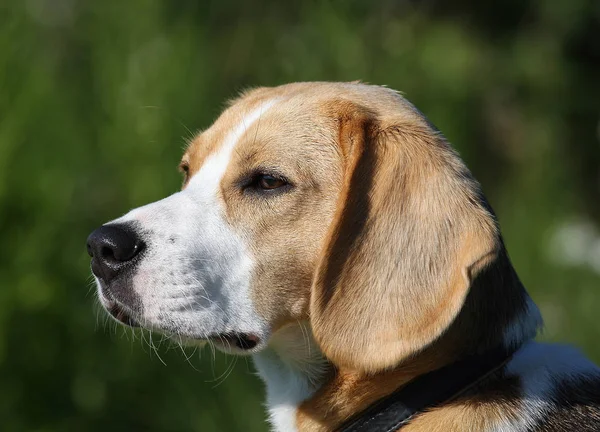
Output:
[[293, 369], [305, 392]]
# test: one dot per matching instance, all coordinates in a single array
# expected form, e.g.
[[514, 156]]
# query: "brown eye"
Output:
[[268, 182]]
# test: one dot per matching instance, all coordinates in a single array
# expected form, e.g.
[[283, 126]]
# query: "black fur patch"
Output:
[[576, 407]]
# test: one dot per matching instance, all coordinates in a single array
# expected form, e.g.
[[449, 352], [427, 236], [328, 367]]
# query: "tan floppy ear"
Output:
[[410, 233]]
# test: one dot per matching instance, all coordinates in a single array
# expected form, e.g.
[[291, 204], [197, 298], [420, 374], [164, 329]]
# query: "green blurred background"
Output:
[[97, 99]]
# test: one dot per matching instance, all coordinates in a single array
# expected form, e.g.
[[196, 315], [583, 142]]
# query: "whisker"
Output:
[[153, 347]]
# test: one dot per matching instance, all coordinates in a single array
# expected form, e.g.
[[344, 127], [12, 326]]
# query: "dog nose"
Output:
[[112, 248]]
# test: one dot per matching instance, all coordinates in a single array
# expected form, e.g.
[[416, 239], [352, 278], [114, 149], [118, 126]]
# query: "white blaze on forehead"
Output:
[[215, 166], [205, 183], [196, 271]]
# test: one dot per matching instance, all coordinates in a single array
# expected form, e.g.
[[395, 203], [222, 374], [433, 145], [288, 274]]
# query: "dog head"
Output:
[[333, 203]]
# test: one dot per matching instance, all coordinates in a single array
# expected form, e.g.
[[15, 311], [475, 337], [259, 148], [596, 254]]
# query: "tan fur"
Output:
[[347, 393], [384, 242]]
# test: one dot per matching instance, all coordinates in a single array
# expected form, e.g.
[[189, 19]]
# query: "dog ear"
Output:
[[410, 233]]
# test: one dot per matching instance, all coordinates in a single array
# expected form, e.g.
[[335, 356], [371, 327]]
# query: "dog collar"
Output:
[[426, 391]]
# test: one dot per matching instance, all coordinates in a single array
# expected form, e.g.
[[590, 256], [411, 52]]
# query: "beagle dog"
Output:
[[331, 232]]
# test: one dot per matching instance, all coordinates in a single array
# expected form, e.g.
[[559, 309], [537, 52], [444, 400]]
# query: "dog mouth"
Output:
[[121, 314], [242, 341], [229, 340]]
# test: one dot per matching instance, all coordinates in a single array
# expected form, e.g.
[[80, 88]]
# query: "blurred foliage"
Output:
[[97, 99]]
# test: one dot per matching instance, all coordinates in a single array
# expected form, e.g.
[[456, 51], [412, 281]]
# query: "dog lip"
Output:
[[119, 313], [243, 341]]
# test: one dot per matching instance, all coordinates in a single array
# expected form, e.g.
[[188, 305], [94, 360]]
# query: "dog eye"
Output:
[[268, 182]]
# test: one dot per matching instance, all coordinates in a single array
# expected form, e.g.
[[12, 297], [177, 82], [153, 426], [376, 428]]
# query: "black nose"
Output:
[[112, 248]]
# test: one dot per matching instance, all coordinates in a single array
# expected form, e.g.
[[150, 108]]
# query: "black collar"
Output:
[[426, 391]]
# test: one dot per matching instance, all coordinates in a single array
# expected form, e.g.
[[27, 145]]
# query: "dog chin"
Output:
[[229, 343]]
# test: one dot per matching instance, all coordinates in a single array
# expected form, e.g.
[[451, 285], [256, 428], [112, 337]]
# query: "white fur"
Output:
[[194, 280], [292, 368], [539, 367]]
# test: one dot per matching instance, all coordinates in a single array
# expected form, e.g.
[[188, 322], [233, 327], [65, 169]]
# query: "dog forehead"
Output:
[[213, 139], [268, 116]]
